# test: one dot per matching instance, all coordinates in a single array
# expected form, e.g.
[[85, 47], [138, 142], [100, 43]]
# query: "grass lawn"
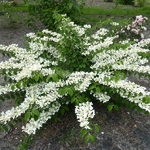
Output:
[[109, 10], [92, 15]]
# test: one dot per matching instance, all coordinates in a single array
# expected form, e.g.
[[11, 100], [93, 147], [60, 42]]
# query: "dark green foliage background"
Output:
[[44, 10]]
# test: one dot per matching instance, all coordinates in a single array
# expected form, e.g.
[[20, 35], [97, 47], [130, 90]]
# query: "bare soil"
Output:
[[124, 129]]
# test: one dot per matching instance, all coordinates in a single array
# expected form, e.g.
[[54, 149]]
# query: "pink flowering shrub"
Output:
[[135, 30]]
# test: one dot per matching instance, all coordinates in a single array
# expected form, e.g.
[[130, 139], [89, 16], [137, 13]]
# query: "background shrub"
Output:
[[108, 0], [44, 10], [127, 2], [139, 2]]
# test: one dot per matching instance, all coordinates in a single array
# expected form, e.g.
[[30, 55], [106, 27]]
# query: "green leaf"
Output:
[[110, 107], [70, 92], [62, 111], [36, 117], [63, 91], [18, 85], [116, 107], [80, 99], [70, 5], [13, 87], [10, 80], [48, 77], [12, 95], [5, 128], [98, 90], [41, 76], [36, 112], [36, 78], [91, 87], [24, 84], [55, 77], [27, 116], [1, 98], [5, 78], [25, 146], [17, 94], [97, 128], [66, 107], [87, 138], [3, 72], [73, 99], [17, 101], [146, 99], [93, 138], [83, 132], [11, 125], [7, 96], [117, 78]]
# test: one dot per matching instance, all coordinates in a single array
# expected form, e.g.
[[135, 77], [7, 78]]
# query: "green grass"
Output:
[[94, 15], [18, 8], [118, 11]]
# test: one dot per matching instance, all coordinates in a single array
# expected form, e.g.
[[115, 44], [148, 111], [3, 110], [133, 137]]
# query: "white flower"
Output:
[[84, 111], [33, 125], [87, 26], [114, 23]]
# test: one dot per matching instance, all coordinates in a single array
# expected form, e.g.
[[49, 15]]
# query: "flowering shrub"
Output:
[[135, 30], [72, 67], [126, 2]]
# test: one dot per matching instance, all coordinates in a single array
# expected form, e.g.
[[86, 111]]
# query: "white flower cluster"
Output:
[[122, 84], [99, 34], [33, 125], [132, 67], [142, 43], [50, 91], [124, 42], [99, 45], [82, 80], [136, 99], [7, 88], [125, 88], [101, 97], [126, 56], [29, 61], [31, 96], [76, 77], [85, 82], [34, 96], [80, 30], [84, 112], [87, 26], [114, 23]]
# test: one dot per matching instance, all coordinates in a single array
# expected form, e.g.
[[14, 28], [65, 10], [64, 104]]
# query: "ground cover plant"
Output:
[[74, 67], [120, 10]]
